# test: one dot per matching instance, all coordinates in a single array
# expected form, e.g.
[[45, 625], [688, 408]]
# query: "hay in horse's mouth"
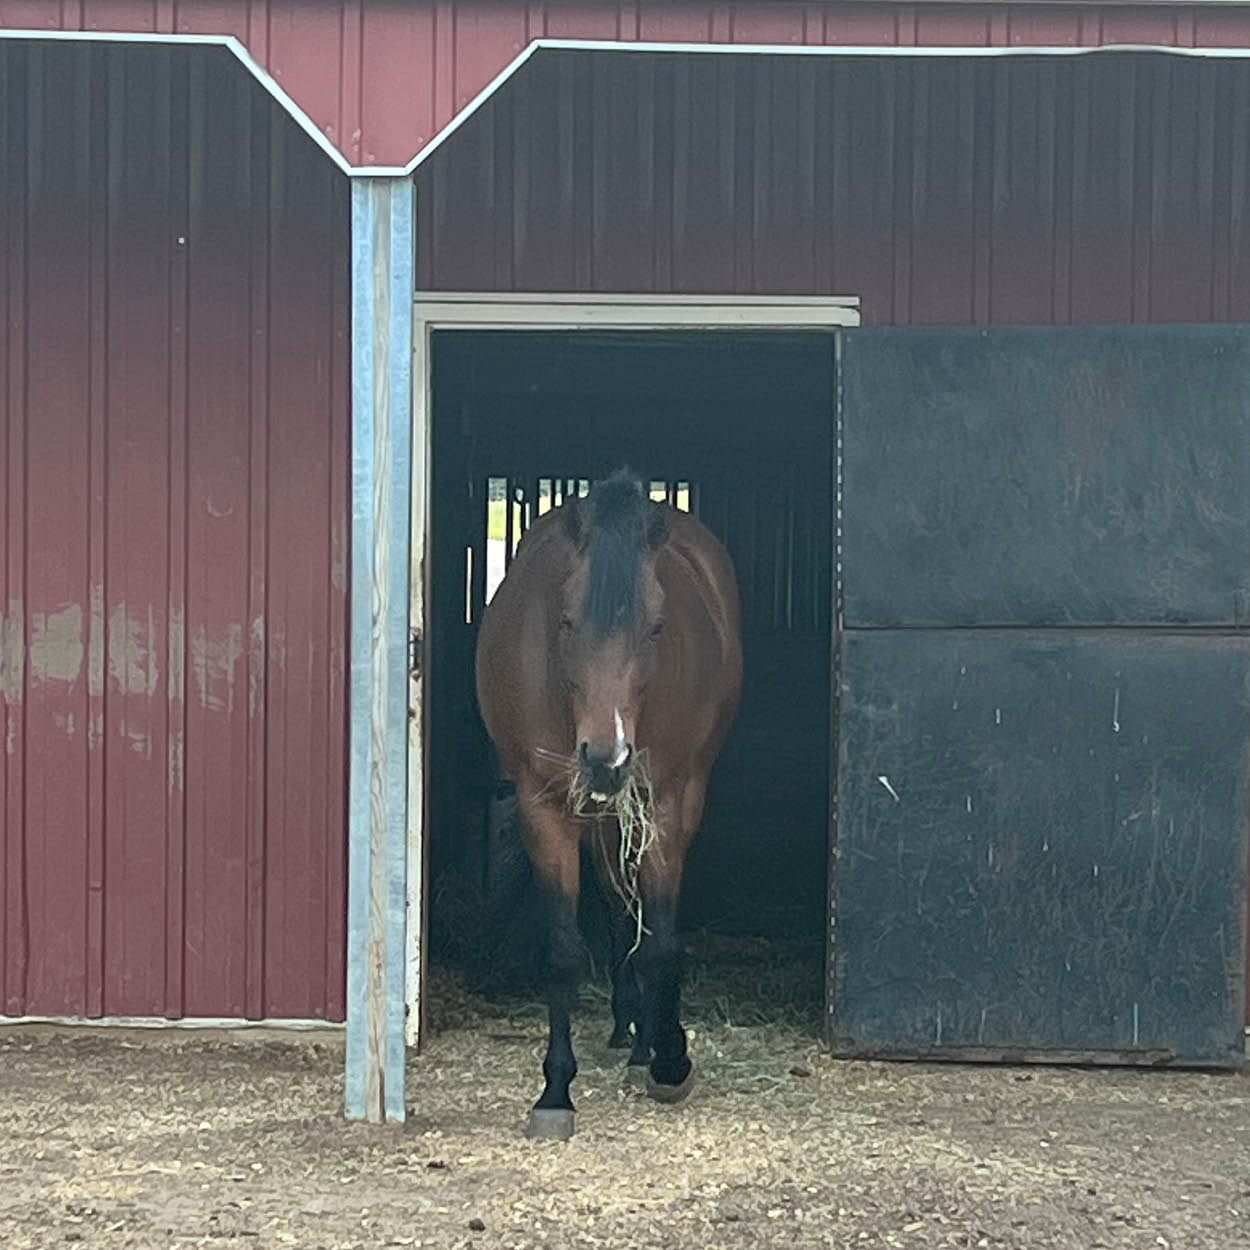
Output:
[[633, 806]]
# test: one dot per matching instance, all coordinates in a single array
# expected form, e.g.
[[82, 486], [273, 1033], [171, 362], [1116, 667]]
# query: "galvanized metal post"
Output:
[[383, 262]]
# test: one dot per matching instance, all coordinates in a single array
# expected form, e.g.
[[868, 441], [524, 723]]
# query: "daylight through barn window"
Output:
[[513, 505]]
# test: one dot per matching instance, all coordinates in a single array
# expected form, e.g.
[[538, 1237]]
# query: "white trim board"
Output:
[[571, 313], [240, 51]]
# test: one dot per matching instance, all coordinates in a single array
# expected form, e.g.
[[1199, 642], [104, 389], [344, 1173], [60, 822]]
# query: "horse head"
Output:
[[610, 625]]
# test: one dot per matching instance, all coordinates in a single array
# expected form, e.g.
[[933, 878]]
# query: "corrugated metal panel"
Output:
[[381, 78], [1029, 190], [1023, 190], [173, 275]]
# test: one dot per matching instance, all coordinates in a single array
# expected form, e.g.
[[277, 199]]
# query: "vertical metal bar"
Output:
[[411, 385], [837, 417], [509, 521], [481, 543], [383, 508]]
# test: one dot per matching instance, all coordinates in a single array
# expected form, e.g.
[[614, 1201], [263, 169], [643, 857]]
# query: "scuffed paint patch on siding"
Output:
[[177, 766], [215, 665], [133, 659], [256, 668], [12, 653], [338, 554], [95, 644], [277, 648], [177, 693], [56, 644], [177, 656]]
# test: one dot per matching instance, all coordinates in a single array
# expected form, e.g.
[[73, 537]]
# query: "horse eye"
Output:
[[657, 629], [566, 625]]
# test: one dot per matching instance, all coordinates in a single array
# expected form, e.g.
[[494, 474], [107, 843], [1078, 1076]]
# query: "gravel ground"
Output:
[[176, 1140]]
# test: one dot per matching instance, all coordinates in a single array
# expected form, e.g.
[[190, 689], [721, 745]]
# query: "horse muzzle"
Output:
[[605, 770]]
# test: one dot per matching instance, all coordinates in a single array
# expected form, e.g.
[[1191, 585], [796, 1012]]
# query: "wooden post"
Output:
[[383, 243]]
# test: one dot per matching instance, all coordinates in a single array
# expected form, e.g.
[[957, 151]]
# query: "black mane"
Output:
[[618, 510]]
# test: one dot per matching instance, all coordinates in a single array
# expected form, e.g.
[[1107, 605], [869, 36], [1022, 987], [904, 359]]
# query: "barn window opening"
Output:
[[737, 429], [529, 500]]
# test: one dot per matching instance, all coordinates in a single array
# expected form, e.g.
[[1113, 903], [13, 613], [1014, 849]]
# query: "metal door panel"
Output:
[[1046, 476], [1042, 846]]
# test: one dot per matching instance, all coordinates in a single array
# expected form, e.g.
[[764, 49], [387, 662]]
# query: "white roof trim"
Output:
[[233, 45], [753, 49], [239, 50]]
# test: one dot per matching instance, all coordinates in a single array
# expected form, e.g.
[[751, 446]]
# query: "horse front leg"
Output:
[[622, 936], [553, 845], [627, 1003], [671, 1073]]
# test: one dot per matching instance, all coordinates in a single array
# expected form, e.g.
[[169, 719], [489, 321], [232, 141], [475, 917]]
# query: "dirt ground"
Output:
[[171, 1141]]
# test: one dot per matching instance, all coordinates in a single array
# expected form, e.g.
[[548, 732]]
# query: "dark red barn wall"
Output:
[[174, 441], [174, 398], [381, 78], [1039, 189]]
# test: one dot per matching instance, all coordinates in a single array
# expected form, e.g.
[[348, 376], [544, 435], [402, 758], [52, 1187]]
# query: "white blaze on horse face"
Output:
[[622, 749]]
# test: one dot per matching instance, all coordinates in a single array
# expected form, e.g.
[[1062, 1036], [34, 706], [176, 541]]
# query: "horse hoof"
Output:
[[550, 1124], [669, 1093], [637, 1076]]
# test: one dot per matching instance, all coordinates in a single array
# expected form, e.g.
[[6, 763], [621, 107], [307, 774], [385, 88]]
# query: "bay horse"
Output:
[[609, 670]]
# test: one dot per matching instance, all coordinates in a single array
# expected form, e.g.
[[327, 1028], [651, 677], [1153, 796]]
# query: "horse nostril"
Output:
[[583, 755]]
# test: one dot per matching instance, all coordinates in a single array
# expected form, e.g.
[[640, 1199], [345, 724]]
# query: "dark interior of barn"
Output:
[[735, 426]]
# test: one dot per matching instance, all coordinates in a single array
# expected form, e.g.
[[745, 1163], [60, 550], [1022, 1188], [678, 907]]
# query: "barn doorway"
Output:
[[727, 416]]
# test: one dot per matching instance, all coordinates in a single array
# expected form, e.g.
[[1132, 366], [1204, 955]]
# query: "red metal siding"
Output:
[[174, 427], [380, 78], [1033, 190], [940, 192]]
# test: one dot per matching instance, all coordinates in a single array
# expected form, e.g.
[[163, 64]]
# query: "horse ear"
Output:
[[574, 521], [657, 527]]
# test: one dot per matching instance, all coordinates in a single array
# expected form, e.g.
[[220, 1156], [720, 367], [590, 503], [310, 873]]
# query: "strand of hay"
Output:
[[634, 810]]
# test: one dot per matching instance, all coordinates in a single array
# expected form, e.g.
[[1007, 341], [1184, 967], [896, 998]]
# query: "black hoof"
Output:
[[666, 1093], [550, 1124], [621, 1039]]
